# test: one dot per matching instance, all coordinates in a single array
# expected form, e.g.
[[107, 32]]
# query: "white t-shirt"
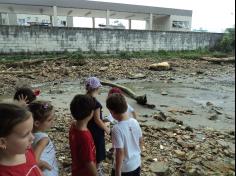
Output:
[[126, 135], [48, 155], [130, 110]]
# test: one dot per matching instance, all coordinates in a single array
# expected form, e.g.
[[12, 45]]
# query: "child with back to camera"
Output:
[[126, 138], [43, 114], [83, 151], [16, 155], [96, 124], [26, 95], [130, 109]]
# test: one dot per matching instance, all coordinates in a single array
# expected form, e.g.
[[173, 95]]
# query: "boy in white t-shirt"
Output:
[[126, 138], [130, 110]]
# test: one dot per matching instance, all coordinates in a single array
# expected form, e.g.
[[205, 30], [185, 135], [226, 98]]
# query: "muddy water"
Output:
[[170, 97]]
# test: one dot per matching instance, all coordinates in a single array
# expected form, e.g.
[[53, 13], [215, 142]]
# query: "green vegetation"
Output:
[[227, 44], [79, 55]]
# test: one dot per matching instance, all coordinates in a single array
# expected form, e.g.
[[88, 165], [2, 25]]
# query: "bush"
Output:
[[77, 55], [227, 44], [124, 55]]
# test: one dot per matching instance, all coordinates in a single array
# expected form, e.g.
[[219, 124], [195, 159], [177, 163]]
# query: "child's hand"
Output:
[[23, 101], [44, 165], [108, 131]]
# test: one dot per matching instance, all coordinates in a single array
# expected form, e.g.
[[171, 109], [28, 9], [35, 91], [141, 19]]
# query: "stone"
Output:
[[232, 133], [218, 166], [209, 104], [103, 69], [223, 143], [177, 161], [163, 66], [164, 106], [161, 117], [164, 93], [180, 153], [160, 168], [199, 72], [213, 117], [188, 128], [137, 76]]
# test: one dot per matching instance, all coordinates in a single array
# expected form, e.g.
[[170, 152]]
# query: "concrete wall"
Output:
[[39, 39]]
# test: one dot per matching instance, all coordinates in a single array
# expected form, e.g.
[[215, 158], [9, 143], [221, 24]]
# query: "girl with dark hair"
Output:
[[43, 114], [16, 156]]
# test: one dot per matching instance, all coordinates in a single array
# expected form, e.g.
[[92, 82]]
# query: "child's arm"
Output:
[[38, 149], [141, 143], [44, 165], [120, 154], [132, 111], [134, 114], [99, 122], [91, 167]]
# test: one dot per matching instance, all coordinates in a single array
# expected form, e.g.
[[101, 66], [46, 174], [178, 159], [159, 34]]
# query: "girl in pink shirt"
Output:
[[16, 156]]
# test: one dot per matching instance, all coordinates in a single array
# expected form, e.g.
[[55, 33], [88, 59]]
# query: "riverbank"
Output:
[[196, 134]]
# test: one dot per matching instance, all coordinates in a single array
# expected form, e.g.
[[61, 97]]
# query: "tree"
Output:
[[228, 42]]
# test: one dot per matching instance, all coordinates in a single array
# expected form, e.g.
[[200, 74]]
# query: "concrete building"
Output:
[[61, 13]]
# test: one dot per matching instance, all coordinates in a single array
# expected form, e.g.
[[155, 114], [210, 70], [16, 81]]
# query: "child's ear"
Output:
[[92, 113], [36, 123], [3, 143], [112, 112]]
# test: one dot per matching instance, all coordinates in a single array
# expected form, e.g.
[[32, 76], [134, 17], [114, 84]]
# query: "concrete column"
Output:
[[69, 21], [1, 21], [108, 17], [51, 20], [147, 24], [151, 22], [12, 19], [94, 22], [130, 24], [55, 16]]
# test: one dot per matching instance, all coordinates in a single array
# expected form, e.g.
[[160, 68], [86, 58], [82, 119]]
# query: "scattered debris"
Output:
[[163, 66]]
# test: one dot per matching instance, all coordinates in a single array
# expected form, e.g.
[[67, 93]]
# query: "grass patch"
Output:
[[79, 55]]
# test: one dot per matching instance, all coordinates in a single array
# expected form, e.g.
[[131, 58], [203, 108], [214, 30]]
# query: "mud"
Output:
[[199, 94]]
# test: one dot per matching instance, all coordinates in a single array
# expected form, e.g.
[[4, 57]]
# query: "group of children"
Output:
[[26, 149]]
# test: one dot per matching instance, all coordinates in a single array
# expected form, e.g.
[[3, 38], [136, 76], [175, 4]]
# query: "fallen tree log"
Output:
[[28, 62], [17, 72], [219, 60], [140, 99]]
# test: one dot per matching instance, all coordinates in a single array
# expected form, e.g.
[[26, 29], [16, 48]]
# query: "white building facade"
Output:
[[62, 14]]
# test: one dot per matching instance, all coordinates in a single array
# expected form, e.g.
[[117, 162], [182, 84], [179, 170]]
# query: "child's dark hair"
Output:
[[25, 92], [117, 103], [41, 110], [10, 116], [82, 106], [89, 89]]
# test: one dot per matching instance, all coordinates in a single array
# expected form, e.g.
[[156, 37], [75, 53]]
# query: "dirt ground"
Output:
[[194, 138]]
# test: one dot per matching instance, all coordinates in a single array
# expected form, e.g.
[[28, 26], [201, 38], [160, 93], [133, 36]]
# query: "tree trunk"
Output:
[[17, 72], [142, 100], [220, 60]]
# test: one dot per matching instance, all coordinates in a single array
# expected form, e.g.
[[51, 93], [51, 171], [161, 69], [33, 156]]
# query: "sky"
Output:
[[211, 15]]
